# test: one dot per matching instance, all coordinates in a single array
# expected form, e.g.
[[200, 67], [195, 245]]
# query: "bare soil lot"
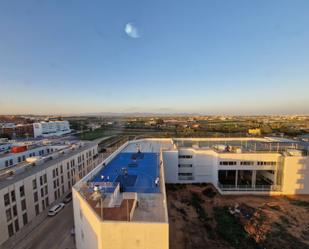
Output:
[[199, 217]]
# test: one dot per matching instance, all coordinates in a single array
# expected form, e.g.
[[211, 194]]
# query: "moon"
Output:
[[131, 30]]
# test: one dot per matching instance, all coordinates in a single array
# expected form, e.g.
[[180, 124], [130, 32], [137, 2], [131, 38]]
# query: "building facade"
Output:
[[27, 190], [267, 166], [51, 128]]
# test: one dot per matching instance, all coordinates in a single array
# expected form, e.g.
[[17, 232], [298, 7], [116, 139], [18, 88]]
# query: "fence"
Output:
[[225, 187]]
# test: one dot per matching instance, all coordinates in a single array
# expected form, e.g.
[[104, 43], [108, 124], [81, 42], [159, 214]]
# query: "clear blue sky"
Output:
[[203, 56]]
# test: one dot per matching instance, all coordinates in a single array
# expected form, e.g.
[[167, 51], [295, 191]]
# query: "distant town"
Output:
[[92, 127]]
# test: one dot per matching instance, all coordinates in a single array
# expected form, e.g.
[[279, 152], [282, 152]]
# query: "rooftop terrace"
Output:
[[128, 187]]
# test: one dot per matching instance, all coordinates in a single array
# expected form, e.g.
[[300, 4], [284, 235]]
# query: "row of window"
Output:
[[185, 165], [11, 229], [185, 156], [228, 163], [23, 158], [8, 200], [266, 163], [185, 176], [269, 163]]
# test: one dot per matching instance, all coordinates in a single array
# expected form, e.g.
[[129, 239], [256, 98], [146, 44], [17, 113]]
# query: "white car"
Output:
[[56, 209]]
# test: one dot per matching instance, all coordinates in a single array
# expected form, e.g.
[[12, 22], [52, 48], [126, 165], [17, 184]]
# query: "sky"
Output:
[[159, 56]]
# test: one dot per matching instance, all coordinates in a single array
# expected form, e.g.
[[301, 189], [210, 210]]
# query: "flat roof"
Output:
[[136, 172], [35, 169]]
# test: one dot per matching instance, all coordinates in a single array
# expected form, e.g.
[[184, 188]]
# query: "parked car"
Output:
[[56, 209], [67, 198]]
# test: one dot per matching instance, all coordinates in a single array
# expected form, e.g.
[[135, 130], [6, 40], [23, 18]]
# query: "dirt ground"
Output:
[[199, 217]]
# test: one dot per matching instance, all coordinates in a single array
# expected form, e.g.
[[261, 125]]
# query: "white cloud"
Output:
[[131, 30]]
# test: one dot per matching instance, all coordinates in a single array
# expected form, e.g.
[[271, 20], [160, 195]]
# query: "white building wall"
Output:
[[296, 175], [205, 166], [51, 128], [170, 164], [70, 173], [12, 159]]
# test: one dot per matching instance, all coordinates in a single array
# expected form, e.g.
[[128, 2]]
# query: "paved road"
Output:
[[52, 233]]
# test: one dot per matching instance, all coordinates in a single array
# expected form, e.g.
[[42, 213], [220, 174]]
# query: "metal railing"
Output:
[[227, 187]]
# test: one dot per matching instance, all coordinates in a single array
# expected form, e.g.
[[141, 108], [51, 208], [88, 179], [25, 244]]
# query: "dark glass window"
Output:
[[16, 225], [23, 205], [10, 230], [14, 210], [6, 199], [25, 219], [13, 197], [22, 191], [34, 185], [8, 214]]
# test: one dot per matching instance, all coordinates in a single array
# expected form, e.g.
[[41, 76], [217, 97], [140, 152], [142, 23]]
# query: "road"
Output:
[[52, 233]]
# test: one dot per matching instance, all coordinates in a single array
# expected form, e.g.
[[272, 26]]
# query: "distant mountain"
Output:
[[134, 114]]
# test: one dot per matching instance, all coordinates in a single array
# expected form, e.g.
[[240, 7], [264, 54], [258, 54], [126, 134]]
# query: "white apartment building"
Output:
[[51, 128], [121, 205], [30, 187], [9, 159]]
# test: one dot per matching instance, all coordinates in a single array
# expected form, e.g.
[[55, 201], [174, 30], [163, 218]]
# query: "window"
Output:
[[184, 165], [13, 197], [16, 225], [62, 187], [266, 163], [8, 215], [41, 180], [22, 191], [10, 230], [55, 195], [45, 178], [43, 204], [46, 190], [61, 169], [23, 205], [6, 163], [6, 199], [35, 196], [185, 156], [61, 179], [11, 161], [247, 163], [185, 176], [14, 210], [34, 185], [37, 209], [228, 163], [55, 184], [46, 201], [42, 192], [25, 219]]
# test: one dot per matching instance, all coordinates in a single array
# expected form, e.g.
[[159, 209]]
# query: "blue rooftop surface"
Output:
[[136, 172]]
